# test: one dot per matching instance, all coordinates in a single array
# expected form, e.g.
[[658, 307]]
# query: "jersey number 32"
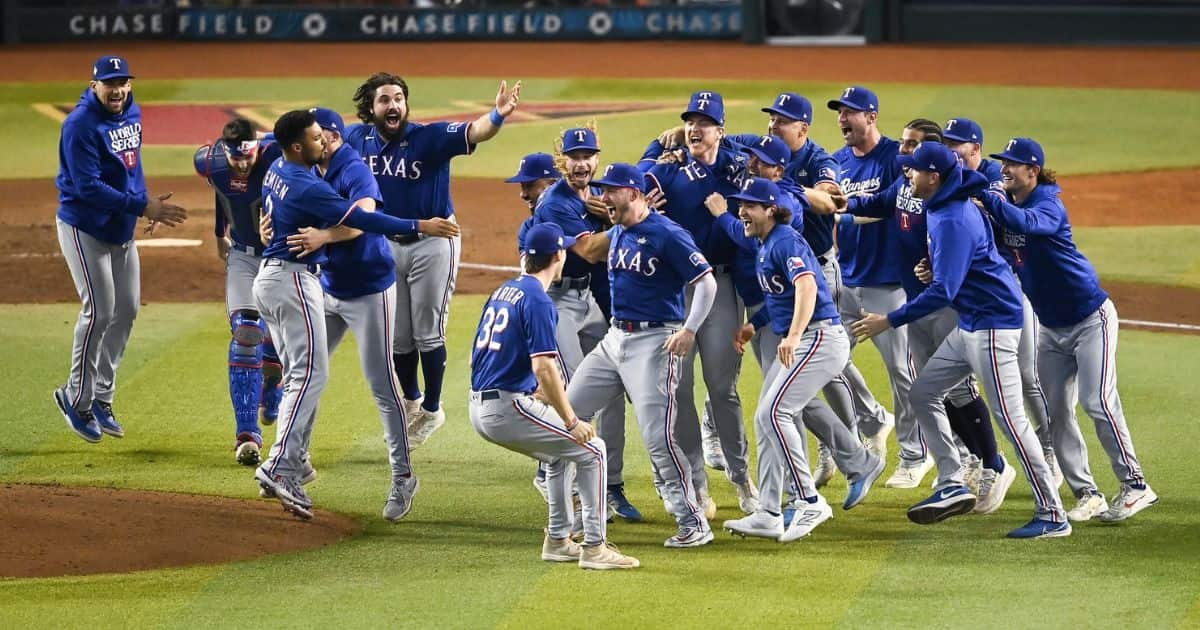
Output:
[[494, 322]]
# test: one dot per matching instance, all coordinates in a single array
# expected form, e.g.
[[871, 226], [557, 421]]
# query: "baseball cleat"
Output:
[[857, 490], [308, 474], [909, 473], [1041, 528], [412, 408], [941, 505], [289, 493], [81, 422], [690, 536], [877, 443], [606, 556], [993, 487], [423, 426], [1088, 507], [707, 504], [826, 468], [760, 524], [972, 473], [618, 503], [560, 550], [747, 496], [400, 498], [714, 457], [807, 517], [248, 450], [103, 414], [1128, 502]]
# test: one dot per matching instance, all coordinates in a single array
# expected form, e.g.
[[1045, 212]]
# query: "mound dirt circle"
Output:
[[57, 530]]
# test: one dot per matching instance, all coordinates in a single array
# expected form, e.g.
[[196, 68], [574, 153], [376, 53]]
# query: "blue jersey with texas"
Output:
[[784, 257], [517, 324], [413, 168], [649, 264], [869, 254]]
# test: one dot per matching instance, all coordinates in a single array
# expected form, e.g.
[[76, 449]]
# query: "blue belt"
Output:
[[631, 326]]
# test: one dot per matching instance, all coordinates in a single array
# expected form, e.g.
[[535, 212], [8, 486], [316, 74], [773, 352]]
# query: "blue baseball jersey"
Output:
[[295, 197], [869, 254], [1061, 283], [413, 168], [968, 273], [561, 204], [909, 212], [101, 186], [745, 260], [783, 258], [517, 324], [686, 186], [522, 230], [649, 264], [363, 265], [238, 200]]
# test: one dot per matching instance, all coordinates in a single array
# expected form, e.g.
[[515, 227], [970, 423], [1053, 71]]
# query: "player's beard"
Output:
[[386, 131]]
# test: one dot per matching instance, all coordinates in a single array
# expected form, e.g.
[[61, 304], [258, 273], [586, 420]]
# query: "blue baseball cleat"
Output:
[[81, 422], [941, 505], [621, 505], [102, 411], [860, 487], [1041, 528]]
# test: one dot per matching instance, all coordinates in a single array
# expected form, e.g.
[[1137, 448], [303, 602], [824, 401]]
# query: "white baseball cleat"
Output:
[[993, 487], [714, 457], [909, 474], [877, 443], [826, 468], [808, 516], [1128, 502], [1088, 507], [606, 556], [690, 536], [707, 504], [560, 550], [412, 408], [760, 524], [972, 474], [747, 497], [423, 426]]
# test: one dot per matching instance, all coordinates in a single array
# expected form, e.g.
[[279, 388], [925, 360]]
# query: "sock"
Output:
[[976, 416], [433, 367], [962, 426], [406, 373]]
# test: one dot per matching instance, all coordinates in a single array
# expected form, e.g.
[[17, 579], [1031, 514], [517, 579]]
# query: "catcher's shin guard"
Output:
[[245, 369]]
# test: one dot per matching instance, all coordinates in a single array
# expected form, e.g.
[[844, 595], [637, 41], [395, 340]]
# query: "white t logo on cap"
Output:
[[521, 166], [848, 92], [1011, 144], [580, 135], [950, 123], [783, 99], [705, 95], [116, 63], [702, 104]]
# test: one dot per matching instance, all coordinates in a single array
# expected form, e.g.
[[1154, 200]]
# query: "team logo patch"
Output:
[[795, 262], [697, 259], [238, 184], [828, 173], [454, 127], [130, 158]]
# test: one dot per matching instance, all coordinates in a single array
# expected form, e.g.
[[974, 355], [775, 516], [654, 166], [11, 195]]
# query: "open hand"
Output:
[[506, 99]]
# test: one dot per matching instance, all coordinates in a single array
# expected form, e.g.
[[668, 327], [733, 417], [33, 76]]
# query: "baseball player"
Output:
[[234, 167], [411, 162], [519, 402], [707, 168], [101, 194], [965, 137], [573, 205], [966, 412], [869, 259], [970, 276], [290, 298], [1077, 342], [813, 349], [651, 260], [535, 173]]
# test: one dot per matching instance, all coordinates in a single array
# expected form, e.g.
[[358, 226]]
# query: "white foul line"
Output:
[[483, 267], [1140, 322]]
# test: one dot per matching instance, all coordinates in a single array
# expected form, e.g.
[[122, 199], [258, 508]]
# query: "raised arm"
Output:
[[488, 125]]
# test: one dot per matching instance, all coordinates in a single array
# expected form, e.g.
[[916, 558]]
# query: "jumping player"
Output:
[[101, 194], [515, 357], [1077, 344], [234, 167], [411, 162], [969, 276], [651, 260]]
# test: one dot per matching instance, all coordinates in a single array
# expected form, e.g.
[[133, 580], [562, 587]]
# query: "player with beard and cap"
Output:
[[535, 174]]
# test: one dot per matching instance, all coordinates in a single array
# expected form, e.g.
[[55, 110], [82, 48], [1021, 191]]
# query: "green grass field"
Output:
[[467, 555]]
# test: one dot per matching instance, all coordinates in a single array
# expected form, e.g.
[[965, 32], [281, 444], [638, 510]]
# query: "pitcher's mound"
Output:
[[55, 530]]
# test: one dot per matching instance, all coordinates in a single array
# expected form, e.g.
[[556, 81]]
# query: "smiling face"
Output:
[[389, 109], [113, 93], [759, 168], [1018, 178], [701, 133], [856, 126], [792, 132], [580, 166], [910, 139], [757, 220], [619, 200], [924, 183], [530, 191]]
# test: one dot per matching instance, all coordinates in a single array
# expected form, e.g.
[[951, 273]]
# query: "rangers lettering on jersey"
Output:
[[865, 187]]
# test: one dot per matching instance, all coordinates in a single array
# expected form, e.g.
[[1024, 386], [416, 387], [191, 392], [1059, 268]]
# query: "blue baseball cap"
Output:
[[771, 149], [1022, 151], [110, 67], [963, 130], [328, 119], [791, 105], [546, 238], [856, 97], [580, 139], [622, 176], [759, 190], [533, 167], [933, 157], [707, 103]]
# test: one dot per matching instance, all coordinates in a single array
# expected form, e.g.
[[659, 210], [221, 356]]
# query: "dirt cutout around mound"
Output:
[[55, 530]]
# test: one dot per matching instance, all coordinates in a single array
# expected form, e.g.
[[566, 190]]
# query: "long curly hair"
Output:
[[364, 96], [560, 158]]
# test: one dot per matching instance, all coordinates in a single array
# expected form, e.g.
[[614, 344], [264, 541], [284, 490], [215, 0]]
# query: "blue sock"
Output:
[[433, 367], [406, 373]]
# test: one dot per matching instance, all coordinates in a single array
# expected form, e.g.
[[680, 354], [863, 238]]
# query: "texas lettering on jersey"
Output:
[[386, 165], [620, 258]]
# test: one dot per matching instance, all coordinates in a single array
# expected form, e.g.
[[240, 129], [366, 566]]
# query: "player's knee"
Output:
[[429, 344], [247, 327], [923, 394]]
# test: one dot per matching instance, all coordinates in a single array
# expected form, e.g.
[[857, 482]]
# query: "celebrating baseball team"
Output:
[[961, 270]]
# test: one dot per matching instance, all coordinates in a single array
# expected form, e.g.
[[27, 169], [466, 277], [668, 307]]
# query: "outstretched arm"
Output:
[[487, 126]]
